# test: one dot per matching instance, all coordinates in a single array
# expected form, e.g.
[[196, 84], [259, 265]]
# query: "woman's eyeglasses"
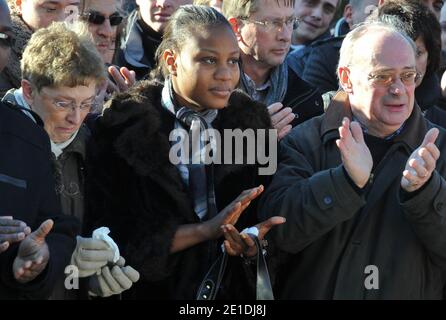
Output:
[[97, 18], [6, 40]]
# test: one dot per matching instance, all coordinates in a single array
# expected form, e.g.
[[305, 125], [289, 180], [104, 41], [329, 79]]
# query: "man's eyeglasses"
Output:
[[290, 23], [6, 40], [97, 18], [387, 79]]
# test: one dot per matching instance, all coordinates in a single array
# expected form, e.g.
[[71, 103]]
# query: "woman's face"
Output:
[[62, 109], [422, 58], [206, 70], [104, 33]]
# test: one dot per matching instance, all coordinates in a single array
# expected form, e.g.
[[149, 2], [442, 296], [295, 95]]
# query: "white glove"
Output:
[[91, 255], [113, 281]]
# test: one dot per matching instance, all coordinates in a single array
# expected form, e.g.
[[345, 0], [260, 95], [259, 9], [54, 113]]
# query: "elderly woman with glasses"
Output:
[[62, 93]]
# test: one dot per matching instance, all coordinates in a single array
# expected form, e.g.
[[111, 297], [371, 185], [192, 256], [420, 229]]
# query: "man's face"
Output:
[[104, 34], [40, 13], [316, 16], [435, 6], [382, 108], [156, 13], [363, 10], [6, 31], [267, 44]]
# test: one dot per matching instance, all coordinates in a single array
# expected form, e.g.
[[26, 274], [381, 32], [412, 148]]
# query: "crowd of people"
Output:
[[351, 97]]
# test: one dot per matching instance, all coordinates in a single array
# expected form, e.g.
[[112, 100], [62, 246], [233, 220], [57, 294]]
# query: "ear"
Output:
[[170, 60], [344, 79], [235, 27], [381, 2], [18, 4], [27, 92], [348, 15]]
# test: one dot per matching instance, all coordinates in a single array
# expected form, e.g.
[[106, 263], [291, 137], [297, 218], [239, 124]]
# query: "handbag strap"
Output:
[[264, 289], [211, 283]]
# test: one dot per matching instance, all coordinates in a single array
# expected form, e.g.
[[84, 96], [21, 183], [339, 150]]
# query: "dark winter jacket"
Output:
[[138, 193], [27, 193], [334, 232], [304, 99]]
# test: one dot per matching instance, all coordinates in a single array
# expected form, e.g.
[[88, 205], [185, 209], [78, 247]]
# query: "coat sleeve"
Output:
[[312, 201], [427, 213], [60, 241]]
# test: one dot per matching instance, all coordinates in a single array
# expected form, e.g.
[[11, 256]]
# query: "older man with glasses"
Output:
[[363, 186], [263, 30]]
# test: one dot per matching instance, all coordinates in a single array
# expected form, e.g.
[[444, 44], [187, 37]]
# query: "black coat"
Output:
[[134, 189], [333, 232], [304, 99], [27, 193]]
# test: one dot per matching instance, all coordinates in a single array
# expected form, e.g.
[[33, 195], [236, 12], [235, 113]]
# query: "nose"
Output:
[[75, 116], [397, 87], [284, 33], [317, 13], [163, 3], [105, 29], [223, 73]]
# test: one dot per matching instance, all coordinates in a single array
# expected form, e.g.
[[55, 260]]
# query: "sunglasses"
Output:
[[97, 18], [6, 40]]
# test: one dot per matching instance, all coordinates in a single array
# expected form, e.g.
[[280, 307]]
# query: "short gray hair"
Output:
[[347, 53]]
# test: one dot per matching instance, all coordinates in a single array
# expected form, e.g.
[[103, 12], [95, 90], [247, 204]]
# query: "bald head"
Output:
[[370, 39]]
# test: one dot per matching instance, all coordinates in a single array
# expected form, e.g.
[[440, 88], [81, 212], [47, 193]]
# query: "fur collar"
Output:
[[139, 126]]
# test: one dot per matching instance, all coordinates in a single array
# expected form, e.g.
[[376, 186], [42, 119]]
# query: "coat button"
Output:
[[328, 200], [439, 206], [317, 103]]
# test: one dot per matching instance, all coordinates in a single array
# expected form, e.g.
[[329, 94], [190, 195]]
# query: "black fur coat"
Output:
[[133, 189]]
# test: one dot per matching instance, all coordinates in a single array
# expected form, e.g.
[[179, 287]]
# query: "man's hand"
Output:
[[421, 163], [123, 77], [241, 243], [231, 213], [356, 156], [113, 280], [91, 255], [33, 254], [281, 119], [11, 231]]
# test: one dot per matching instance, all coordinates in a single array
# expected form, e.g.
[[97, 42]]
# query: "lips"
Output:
[[162, 16], [396, 107], [222, 92], [311, 25]]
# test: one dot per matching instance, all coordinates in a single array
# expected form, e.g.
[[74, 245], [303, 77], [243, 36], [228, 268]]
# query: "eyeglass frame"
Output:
[[267, 23], [6, 40], [86, 16], [71, 105], [391, 78]]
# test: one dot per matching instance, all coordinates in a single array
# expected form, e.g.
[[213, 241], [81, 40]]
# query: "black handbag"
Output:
[[211, 283]]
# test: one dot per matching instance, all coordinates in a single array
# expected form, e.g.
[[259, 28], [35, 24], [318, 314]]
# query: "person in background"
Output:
[[27, 17], [263, 29], [141, 33]]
